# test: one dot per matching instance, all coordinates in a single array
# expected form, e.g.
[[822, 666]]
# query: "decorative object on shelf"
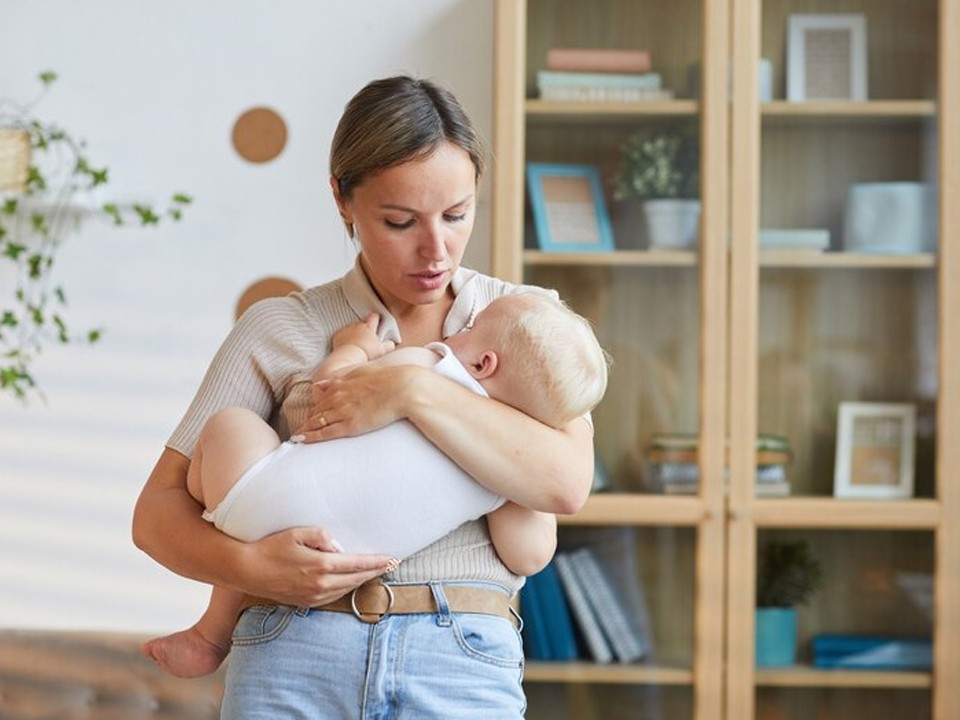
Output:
[[827, 57], [663, 171], [875, 449], [569, 211], [671, 465], [810, 239], [871, 652], [787, 576], [38, 211], [890, 217]]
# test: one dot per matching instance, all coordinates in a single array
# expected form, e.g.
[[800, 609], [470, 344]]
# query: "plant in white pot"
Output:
[[48, 188], [787, 576], [663, 170]]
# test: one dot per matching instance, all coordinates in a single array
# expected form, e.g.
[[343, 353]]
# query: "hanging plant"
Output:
[[46, 185]]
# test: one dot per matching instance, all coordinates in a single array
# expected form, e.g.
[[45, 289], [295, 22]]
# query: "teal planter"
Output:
[[776, 636]]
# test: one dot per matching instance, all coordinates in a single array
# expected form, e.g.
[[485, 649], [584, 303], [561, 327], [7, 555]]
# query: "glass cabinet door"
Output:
[[837, 289], [602, 107]]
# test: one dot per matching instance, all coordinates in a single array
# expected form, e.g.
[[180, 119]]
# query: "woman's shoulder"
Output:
[[321, 304]]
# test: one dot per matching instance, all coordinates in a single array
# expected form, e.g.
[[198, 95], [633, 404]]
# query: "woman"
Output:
[[405, 166]]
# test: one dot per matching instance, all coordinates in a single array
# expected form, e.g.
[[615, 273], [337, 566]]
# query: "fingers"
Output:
[[371, 321]]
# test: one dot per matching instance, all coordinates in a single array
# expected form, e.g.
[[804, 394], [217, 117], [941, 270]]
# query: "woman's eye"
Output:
[[399, 225], [455, 218]]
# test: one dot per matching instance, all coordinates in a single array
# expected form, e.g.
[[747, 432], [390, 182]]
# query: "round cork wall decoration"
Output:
[[259, 135], [264, 288]]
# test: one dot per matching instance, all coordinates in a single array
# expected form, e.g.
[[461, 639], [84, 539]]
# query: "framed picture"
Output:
[[569, 213], [826, 57], [874, 450]]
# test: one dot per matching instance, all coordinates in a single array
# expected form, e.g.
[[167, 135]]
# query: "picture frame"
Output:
[[569, 211], [826, 57], [875, 450]]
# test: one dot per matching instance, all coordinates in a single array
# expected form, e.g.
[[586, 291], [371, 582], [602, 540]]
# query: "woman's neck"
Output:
[[422, 324]]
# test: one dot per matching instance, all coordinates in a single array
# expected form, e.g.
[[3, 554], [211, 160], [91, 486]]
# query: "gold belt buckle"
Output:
[[371, 617]]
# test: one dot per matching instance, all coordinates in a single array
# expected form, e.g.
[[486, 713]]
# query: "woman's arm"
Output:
[[510, 453], [297, 567]]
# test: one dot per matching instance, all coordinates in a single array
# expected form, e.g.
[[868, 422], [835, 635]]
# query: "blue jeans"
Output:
[[307, 664]]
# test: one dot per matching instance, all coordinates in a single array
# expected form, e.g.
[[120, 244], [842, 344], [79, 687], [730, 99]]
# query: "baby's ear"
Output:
[[485, 366]]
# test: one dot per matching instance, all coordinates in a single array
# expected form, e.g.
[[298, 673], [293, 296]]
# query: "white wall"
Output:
[[155, 88]]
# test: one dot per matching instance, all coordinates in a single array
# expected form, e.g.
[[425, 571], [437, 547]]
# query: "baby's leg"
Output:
[[200, 649], [231, 442]]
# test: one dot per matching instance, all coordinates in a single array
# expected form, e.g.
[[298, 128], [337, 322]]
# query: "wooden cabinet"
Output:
[[727, 341]]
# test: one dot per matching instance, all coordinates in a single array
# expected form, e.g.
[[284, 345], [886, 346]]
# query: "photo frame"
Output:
[[569, 211], [827, 57], [875, 450]]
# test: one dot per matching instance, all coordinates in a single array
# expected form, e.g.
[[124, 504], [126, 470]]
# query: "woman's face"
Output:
[[413, 222]]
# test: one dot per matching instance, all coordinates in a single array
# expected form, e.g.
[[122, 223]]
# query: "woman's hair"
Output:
[[393, 120], [556, 366]]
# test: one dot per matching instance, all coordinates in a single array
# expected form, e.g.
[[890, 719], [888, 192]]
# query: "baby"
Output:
[[390, 491]]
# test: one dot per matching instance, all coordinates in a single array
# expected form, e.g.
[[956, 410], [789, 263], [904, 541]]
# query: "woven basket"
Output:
[[14, 159]]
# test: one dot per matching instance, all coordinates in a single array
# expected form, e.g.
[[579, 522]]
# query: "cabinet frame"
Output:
[[727, 521]]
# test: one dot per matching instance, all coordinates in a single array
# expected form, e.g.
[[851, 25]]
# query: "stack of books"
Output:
[[671, 465], [576, 608], [599, 75]]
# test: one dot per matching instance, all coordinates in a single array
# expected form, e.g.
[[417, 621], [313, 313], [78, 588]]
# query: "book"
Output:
[[871, 652], [536, 645], [628, 646], [556, 614], [817, 239], [600, 87], [596, 644], [598, 60]]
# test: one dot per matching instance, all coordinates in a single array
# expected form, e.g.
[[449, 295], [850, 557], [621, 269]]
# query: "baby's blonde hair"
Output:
[[552, 358]]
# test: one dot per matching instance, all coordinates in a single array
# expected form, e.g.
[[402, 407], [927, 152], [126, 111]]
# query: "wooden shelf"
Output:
[[637, 509], [809, 677], [545, 110], [582, 672], [621, 258], [881, 111], [823, 512], [866, 261]]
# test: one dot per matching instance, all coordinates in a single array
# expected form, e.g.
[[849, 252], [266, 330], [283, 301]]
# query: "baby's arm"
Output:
[[353, 345], [524, 539]]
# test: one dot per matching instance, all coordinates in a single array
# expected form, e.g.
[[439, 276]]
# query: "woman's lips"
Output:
[[430, 280]]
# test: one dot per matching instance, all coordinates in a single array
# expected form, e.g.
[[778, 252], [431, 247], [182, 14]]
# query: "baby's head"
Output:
[[546, 360]]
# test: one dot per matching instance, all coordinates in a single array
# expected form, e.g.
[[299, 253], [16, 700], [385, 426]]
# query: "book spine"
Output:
[[610, 613], [598, 60], [535, 643], [556, 614], [580, 607]]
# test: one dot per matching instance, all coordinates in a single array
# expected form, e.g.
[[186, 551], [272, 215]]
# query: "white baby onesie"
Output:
[[389, 491]]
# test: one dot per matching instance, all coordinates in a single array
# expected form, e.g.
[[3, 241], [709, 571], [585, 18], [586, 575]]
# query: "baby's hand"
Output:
[[363, 335]]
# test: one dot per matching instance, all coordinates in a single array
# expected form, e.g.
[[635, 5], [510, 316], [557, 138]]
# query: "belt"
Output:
[[374, 600]]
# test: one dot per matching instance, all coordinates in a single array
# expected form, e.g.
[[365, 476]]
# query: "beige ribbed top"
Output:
[[266, 362]]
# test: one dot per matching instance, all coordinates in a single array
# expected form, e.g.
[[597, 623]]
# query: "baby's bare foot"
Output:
[[185, 654]]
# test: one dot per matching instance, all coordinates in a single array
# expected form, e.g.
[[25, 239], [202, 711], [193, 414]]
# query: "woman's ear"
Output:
[[485, 366], [341, 204]]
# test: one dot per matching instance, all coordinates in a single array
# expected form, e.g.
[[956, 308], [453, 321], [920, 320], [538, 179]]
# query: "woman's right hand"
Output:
[[305, 567]]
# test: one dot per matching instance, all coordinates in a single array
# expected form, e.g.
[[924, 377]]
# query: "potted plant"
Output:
[[662, 170], [48, 188], [787, 576]]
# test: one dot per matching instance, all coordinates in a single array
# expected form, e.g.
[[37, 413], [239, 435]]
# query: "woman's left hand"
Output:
[[358, 402]]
